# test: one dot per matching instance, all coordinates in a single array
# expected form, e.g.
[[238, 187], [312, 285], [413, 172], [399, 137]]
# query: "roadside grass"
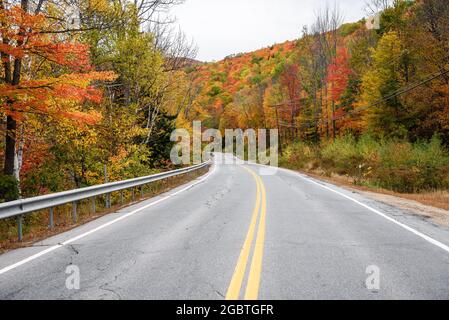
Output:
[[36, 225], [418, 171], [437, 198]]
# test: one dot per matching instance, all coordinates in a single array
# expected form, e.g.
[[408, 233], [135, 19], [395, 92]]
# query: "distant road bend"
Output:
[[237, 234]]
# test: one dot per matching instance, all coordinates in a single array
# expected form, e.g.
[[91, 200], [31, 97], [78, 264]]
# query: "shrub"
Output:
[[407, 167], [9, 189], [393, 164], [299, 156], [342, 156]]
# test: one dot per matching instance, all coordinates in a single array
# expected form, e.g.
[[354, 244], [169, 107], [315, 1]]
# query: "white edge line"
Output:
[[107, 224], [404, 226], [416, 232]]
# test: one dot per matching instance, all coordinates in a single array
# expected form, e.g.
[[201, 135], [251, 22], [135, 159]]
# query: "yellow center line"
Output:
[[252, 289], [239, 273]]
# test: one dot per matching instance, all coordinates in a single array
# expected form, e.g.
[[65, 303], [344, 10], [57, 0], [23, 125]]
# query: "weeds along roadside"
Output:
[[395, 165]]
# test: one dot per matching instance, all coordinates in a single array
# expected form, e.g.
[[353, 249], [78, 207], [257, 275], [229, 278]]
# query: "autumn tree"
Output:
[[28, 51], [338, 73], [325, 32], [387, 116], [291, 82], [70, 123]]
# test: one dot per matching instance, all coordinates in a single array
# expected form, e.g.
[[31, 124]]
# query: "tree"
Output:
[[338, 73], [291, 82], [325, 32], [376, 6], [387, 116], [291, 85], [29, 90]]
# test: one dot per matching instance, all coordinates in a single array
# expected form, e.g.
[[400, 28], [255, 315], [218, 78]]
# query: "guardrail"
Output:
[[19, 208]]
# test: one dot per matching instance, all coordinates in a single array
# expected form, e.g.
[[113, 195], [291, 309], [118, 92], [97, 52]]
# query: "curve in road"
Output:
[[239, 234]]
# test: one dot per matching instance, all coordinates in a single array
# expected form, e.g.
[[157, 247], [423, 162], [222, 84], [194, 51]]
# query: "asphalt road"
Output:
[[237, 234]]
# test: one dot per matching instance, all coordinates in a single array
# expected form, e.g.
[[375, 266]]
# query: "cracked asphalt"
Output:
[[318, 245]]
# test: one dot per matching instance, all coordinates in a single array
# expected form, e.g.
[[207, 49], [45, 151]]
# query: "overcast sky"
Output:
[[223, 27]]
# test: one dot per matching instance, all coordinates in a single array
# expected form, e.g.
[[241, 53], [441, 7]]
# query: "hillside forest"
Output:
[[368, 103]]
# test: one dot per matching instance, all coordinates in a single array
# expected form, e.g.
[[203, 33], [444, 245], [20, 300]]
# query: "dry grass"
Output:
[[438, 199], [36, 227]]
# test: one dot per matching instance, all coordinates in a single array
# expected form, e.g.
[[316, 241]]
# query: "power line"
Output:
[[391, 62], [319, 121], [397, 93]]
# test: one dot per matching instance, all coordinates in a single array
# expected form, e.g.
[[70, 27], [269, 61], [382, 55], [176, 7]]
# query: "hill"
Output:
[[337, 81]]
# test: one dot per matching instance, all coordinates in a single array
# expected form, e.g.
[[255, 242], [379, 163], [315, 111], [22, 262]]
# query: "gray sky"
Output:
[[223, 27]]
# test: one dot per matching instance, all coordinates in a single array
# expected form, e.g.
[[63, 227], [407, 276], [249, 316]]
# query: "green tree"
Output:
[[386, 116]]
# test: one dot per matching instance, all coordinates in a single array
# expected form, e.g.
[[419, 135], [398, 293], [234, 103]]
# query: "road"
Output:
[[239, 234]]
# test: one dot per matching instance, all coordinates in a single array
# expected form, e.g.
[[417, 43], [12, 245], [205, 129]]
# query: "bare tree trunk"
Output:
[[376, 6], [18, 159], [11, 123]]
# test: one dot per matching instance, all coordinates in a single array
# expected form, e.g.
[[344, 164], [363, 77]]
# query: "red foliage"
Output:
[[56, 96], [290, 80], [338, 74]]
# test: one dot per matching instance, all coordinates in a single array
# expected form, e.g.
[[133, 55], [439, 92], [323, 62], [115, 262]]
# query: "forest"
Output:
[[90, 90], [357, 100]]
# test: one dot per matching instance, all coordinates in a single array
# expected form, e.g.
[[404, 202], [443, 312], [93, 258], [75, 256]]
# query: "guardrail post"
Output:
[[52, 223], [94, 204], [108, 201], [133, 194], [19, 227], [74, 214], [141, 191], [121, 197]]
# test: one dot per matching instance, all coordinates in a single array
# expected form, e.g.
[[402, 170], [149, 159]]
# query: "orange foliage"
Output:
[[338, 74], [57, 96]]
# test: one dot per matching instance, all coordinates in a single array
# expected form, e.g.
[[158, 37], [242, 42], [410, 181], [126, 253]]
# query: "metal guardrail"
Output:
[[19, 208]]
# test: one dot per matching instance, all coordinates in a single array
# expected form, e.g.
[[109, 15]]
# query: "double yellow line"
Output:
[[252, 287]]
